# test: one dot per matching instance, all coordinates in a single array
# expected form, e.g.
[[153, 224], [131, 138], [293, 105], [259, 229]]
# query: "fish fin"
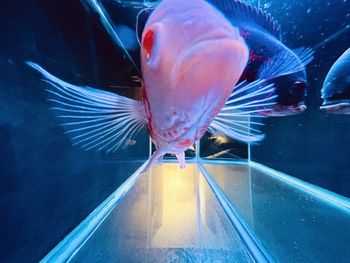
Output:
[[244, 15], [283, 63], [181, 158], [305, 54], [240, 118], [93, 119], [98, 10], [152, 160], [141, 21], [160, 159]]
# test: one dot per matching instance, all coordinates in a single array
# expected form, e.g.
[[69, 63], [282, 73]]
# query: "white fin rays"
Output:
[[93, 119], [305, 54], [286, 63], [240, 118]]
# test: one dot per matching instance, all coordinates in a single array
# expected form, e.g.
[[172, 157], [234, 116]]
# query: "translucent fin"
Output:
[[283, 63], [305, 54], [154, 158], [181, 158], [97, 8], [246, 16], [160, 160], [93, 119], [240, 118], [141, 20]]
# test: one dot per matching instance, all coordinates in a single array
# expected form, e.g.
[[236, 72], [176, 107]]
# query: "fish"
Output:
[[191, 60], [336, 87], [270, 58]]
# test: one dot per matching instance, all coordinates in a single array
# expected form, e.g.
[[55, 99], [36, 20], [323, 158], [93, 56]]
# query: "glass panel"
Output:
[[169, 215], [47, 186], [221, 147], [293, 225]]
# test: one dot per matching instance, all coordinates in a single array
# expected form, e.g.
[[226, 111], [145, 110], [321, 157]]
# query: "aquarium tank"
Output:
[[175, 131]]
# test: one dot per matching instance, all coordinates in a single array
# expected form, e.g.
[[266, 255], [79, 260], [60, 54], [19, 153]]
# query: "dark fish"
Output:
[[336, 87], [269, 57]]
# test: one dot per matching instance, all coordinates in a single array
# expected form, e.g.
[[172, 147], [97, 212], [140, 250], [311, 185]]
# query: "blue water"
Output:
[[47, 187], [312, 146]]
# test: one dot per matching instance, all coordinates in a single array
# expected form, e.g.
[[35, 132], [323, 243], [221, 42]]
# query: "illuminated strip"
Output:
[[70, 245], [174, 160], [222, 161], [253, 245], [328, 196]]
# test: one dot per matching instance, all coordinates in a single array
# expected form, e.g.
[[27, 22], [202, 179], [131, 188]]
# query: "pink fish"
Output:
[[191, 59]]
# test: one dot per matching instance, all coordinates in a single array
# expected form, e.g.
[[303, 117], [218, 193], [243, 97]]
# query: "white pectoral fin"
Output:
[[240, 118], [94, 119], [181, 158], [305, 54], [286, 62]]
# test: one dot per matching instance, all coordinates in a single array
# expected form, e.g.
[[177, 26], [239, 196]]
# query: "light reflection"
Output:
[[219, 139], [174, 208], [235, 183]]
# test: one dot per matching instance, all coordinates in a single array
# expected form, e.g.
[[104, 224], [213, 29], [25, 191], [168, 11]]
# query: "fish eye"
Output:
[[148, 43], [298, 87]]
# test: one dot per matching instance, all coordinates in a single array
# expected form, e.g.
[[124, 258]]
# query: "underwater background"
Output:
[[47, 187], [313, 146]]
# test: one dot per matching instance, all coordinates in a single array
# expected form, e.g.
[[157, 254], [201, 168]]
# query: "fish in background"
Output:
[[269, 58], [191, 58], [336, 87]]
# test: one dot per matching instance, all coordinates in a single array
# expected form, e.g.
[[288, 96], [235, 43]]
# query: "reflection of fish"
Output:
[[269, 57], [336, 87], [191, 58]]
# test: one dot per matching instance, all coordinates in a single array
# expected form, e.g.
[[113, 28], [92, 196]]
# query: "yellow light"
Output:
[[176, 217]]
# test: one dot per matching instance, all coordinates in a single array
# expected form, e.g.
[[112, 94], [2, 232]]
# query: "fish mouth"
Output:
[[337, 107], [285, 110]]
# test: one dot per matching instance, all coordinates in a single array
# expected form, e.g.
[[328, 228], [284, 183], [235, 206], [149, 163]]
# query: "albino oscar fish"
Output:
[[269, 57], [191, 60]]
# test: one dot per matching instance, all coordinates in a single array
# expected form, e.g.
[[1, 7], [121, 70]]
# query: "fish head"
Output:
[[189, 71], [335, 91], [337, 107], [291, 91], [336, 96]]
